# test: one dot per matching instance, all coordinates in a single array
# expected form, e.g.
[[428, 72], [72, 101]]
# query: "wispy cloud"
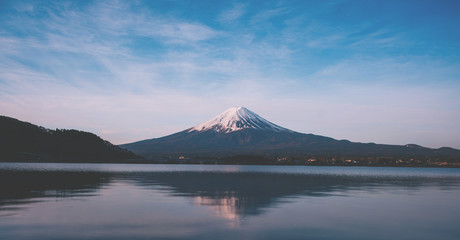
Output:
[[233, 14], [266, 15]]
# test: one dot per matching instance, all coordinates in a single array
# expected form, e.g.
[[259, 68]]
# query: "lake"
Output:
[[140, 201]]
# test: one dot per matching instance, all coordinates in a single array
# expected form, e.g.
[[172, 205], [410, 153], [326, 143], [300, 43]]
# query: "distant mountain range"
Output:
[[22, 141], [239, 131]]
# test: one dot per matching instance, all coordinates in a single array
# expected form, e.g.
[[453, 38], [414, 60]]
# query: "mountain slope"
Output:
[[22, 141], [235, 119], [238, 131]]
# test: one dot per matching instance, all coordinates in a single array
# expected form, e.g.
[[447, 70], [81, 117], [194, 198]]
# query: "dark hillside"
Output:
[[22, 141]]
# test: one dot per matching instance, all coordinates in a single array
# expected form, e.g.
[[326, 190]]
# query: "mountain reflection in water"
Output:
[[236, 195], [139, 201], [232, 195]]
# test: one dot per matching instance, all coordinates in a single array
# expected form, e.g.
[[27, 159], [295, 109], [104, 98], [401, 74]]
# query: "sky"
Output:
[[367, 71]]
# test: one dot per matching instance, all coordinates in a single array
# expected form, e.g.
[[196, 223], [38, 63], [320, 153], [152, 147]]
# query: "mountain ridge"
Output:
[[239, 131], [24, 141]]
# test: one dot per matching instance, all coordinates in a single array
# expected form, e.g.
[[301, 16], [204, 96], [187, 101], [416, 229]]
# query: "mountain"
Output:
[[236, 119], [239, 131], [22, 141]]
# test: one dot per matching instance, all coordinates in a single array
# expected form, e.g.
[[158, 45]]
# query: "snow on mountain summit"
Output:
[[235, 119]]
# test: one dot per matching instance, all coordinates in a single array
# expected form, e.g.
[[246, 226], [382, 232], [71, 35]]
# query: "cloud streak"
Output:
[[233, 14]]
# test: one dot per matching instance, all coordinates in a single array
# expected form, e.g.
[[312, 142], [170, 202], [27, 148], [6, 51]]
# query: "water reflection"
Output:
[[237, 195], [231, 195], [205, 202], [18, 188]]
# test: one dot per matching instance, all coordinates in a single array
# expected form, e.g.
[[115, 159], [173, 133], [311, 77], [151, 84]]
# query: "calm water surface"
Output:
[[121, 201]]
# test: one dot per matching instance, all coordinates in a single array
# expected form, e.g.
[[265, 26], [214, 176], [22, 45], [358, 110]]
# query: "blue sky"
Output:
[[367, 71]]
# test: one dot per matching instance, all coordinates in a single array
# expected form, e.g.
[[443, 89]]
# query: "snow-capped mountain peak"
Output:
[[235, 119]]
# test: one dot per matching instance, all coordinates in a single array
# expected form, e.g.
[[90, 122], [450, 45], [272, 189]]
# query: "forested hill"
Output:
[[23, 141]]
